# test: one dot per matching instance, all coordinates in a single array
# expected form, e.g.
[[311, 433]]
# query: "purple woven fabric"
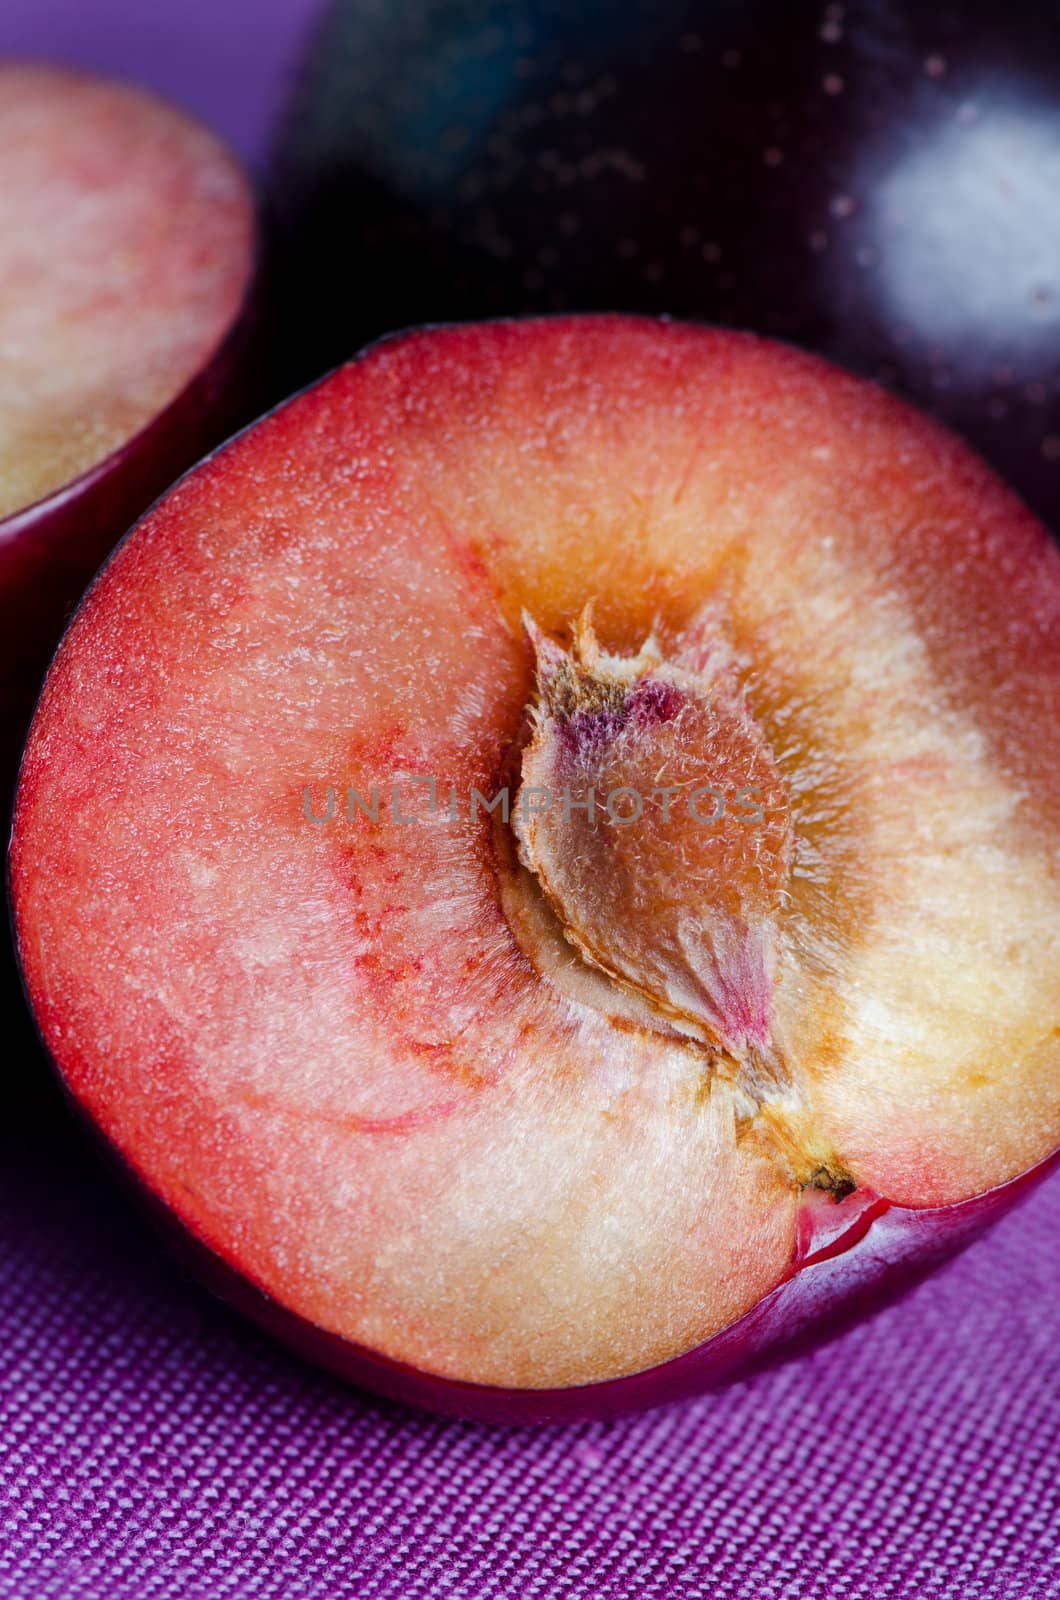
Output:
[[153, 1445]]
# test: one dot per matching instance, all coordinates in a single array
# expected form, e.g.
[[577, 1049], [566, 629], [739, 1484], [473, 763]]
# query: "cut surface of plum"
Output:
[[126, 247], [130, 300], [526, 834]]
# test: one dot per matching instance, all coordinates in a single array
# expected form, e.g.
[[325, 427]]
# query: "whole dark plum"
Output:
[[878, 181]]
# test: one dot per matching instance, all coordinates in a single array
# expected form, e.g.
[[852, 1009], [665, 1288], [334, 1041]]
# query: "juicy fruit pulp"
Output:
[[545, 1096], [126, 247], [129, 301]]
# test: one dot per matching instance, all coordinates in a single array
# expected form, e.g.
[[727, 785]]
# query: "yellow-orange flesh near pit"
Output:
[[511, 1091]]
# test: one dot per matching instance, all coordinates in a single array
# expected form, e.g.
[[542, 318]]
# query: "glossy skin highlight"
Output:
[[440, 1151]]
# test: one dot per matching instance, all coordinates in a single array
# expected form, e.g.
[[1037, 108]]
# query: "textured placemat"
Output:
[[151, 1444]]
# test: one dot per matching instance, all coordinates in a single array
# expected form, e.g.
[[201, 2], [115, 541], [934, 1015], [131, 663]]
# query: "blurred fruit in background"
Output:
[[878, 181], [130, 344], [128, 312]]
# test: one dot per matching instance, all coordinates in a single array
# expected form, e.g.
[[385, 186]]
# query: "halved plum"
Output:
[[128, 261], [541, 858]]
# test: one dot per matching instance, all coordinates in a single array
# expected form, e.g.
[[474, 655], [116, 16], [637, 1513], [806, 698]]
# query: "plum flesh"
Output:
[[128, 243], [414, 1089], [128, 279]]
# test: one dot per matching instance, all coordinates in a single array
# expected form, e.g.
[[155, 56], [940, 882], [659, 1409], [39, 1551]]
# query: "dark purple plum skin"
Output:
[[876, 181]]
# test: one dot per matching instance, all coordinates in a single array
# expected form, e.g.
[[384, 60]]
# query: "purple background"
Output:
[[151, 1444], [226, 60]]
